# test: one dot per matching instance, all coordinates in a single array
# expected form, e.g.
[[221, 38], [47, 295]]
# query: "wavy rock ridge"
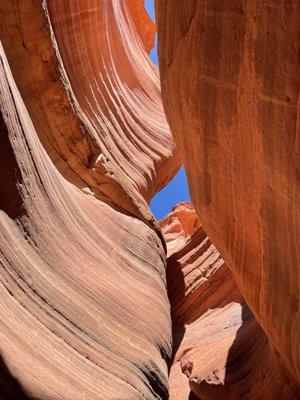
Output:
[[84, 146], [93, 94]]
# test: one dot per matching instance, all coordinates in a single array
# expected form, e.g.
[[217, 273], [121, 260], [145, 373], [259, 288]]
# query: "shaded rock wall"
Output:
[[230, 85], [84, 307], [219, 350]]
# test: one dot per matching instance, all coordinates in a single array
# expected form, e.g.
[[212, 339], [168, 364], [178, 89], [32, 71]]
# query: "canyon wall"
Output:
[[93, 94], [219, 350], [97, 299], [84, 145], [230, 88]]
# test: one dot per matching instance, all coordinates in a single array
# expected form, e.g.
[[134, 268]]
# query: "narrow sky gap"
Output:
[[173, 193], [153, 52], [149, 5], [177, 190]]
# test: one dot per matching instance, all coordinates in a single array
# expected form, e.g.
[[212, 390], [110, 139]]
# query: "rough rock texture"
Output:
[[218, 344], [84, 145], [230, 87]]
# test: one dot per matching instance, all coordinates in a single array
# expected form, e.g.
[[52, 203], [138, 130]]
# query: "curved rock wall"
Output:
[[230, 86], [93, 94], [87, 274], [219, 351], [84, 145], [78, 281]]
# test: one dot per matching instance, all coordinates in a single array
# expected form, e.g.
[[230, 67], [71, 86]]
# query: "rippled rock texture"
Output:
[[230, 86], [97, 299], [84, 145], [219, 350]]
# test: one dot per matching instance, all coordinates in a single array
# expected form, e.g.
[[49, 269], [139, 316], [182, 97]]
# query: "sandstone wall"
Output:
[[219, 350], [84, 145], [230, 86]]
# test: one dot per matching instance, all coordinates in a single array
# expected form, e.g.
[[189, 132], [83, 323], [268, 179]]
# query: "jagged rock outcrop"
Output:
[[220, 352], [84, 145], [230, 87]]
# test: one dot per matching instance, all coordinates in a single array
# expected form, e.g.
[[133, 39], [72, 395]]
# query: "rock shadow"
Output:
[[10, 387], [10, 197]]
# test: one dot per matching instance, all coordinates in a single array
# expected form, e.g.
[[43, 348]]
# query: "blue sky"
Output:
[[150, 9], [177, 190]]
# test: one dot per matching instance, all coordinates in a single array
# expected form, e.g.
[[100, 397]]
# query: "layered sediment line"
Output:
[[93, 95], [84, 146], [78, 281], [87, 274], [219, 350]]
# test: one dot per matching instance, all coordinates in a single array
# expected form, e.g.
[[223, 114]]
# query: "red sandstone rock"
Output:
[[84, 145], [230, 85], [84, 312], [79, 281], [218, 344], [179, 226], [93, 94]]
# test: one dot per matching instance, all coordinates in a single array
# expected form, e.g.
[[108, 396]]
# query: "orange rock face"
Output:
[[97, 299], [93, 94], [84, 145], [78, 281], [220, 352], [230, 85]]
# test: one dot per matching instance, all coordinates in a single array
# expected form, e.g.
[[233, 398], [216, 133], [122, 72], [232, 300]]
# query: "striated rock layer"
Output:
[[220, 352], [93, 94], [78, 281], [230, 85], [84, 145], [84, 290]]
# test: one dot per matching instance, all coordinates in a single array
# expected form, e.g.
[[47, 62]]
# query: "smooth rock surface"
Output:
[[230, 88]]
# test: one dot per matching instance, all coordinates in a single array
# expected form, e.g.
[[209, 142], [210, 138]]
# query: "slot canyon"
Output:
[[98, 299]]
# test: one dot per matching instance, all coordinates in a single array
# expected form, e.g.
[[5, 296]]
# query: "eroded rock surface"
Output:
[[84, 145], [87, 274], [78, 281], [219, 350], [93, 94], [230, 85]]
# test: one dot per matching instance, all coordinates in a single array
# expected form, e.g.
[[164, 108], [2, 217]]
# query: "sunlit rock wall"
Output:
[[230, 87], [84, 146], [87, 274]]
